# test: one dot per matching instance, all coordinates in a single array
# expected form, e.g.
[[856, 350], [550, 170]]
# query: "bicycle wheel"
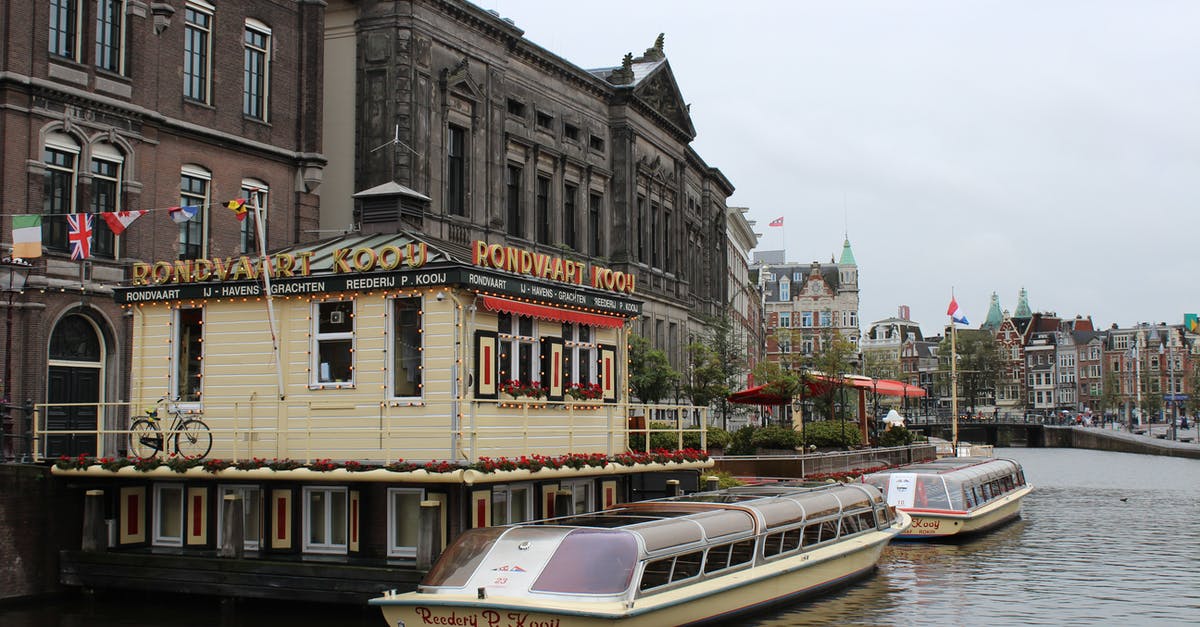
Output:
[[145, 440], [193, 439]]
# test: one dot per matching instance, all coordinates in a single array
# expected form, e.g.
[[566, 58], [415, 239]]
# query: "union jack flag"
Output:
[[80, 235]]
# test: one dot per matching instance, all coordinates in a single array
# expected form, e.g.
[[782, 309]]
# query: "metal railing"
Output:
[[384, 431]]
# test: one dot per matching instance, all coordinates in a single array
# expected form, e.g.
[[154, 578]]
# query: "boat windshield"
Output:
[[455, 567], [590, 561]]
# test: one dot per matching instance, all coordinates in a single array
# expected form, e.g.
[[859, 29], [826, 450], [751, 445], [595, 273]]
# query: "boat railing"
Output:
[[383, 431]]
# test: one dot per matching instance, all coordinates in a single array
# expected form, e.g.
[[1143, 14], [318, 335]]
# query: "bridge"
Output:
[[1003, 430]]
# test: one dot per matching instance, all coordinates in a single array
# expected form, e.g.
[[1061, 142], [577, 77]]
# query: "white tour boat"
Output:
[[954, 496], [687, 560]]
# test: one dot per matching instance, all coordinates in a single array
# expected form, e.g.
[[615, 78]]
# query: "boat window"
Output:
[[821, 505], [934, 493], [791, 540], [742, 552], [610, 558], [726, 522], [657, 573], [687, 565], [858, 522], [780, 513], [717, 558], [782, 542], [664, 534], [812, 534], [456, 565], [773, 544], [850, 525], [829, 530], [881, 518]]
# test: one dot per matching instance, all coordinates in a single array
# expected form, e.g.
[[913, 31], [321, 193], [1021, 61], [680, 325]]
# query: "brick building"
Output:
[[127, 105]]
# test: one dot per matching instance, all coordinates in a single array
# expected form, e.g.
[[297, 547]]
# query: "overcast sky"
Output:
[[975, 146]]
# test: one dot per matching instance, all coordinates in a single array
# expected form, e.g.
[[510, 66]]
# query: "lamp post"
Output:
[[13, 273]]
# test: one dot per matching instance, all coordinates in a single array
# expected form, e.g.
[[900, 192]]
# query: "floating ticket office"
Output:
[[377, 370]]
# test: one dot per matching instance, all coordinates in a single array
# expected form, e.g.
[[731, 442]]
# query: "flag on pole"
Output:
[[27, 236], [183, 214], [80, 235], [118, 221], [777, 221], [238, 205], [955, 314]]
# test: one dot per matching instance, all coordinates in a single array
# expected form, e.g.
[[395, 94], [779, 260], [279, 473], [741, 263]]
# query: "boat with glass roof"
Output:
[[954, 496], [687, 560]]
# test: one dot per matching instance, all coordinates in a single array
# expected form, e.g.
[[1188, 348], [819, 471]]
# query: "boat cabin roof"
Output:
[[544, 556]]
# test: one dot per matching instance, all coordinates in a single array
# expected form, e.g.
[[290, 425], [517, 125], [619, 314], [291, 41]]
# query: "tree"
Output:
[[1193, 388], [833, 360], [650, 374], [1152, 398], [978, 364], [717, 360], [1110, 393]]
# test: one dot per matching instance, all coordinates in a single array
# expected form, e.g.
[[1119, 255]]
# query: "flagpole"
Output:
[[953, 379], [260, 228]]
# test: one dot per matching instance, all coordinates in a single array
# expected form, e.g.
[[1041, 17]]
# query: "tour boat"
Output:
[[954, 496], [686, 560]]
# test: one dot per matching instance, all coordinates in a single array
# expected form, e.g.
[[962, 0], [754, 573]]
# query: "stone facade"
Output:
[[513, 144], [801, 301]]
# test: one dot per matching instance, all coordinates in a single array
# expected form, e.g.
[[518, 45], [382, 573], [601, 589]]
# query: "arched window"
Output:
[[75, 339], [108, 165], [60, 156]]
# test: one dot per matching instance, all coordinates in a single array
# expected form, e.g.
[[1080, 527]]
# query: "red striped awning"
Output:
[[543, 312]]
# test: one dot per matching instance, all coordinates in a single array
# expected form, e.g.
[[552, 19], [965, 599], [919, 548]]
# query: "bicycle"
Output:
[[190, 436]]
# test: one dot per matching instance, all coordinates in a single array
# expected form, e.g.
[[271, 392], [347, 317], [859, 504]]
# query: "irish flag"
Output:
[[27, 236]]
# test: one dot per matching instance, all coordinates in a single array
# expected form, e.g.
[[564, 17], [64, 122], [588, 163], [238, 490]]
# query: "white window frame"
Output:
[[202, 202], [579, 351], [328, 547], [265, 50], [785, 290], [512, 363], [316, 376], [785, 319], [159, 539], [507, 491], [250, 494], [586, 499], [177, 356], [393, 520], [391, 342], [209, 10]]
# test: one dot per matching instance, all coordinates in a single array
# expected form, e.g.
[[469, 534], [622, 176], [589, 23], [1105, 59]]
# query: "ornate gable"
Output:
[[660, 92]]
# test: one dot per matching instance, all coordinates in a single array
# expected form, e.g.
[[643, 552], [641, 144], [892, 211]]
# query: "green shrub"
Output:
[[775, 437], [724, 479], [897, 436], [741, 444], [831, 434], [719, 438]]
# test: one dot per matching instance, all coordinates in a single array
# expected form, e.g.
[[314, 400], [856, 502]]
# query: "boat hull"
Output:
[[944, 524], [705, 602]]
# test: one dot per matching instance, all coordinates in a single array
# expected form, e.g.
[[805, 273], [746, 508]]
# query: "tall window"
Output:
[[106, 196], [594, 201], [518, 349], [513, 200], [108, 34], [255, 194], [64, 28], [334, 338], [512, 504], [188, 374], [406, 347], [654, 235], [325, 520], [579, 344], [168, 514], [403, 520], [456, 171], [569, 194], [197, 37], [252, 520], [785, 290], [255, 66], [193, 193], [543, 209], [581, 496], [58, 197], [641, 229]]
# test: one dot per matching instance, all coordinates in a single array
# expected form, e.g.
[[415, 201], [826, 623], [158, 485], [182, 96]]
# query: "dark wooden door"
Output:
[[69, 384]]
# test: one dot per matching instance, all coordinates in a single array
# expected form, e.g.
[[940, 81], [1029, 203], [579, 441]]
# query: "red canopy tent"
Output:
[[819, 384]]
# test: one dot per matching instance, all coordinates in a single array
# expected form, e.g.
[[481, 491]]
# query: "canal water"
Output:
[[1105, 539]]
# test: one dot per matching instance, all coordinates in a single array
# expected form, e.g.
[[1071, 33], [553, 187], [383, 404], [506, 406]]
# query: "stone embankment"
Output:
[[1153, 442]]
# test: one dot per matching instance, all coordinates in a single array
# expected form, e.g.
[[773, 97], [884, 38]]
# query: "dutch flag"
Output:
[[955, 314]]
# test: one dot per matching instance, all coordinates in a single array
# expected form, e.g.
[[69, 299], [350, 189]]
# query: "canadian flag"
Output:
[[118, 221]]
